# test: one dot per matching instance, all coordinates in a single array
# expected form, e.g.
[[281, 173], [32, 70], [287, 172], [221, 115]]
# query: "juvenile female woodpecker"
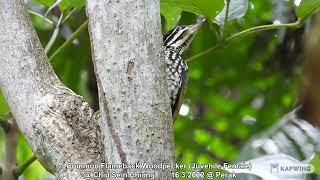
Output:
[[176, 42]]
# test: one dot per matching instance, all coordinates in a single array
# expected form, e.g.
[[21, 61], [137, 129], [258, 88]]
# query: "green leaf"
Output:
[[65, 4], [171, 15], [237, 9], [47, 3], [202, 137], [316, 164], [3, 105], [208, 8], [78, 3], [307, 7], [40, 22]]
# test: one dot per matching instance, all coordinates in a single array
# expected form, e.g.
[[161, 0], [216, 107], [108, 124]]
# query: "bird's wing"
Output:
[[181, 93]]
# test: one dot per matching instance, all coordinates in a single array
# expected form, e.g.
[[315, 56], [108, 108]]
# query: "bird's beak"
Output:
[[196, 26]]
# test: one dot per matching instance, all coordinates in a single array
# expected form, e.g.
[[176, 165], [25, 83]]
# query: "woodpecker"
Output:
[[176, 42]]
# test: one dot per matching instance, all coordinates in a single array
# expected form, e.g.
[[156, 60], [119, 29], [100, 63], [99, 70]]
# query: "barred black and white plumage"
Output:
[[177, 41]]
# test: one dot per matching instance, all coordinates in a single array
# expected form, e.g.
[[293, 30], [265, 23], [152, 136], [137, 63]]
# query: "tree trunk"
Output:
[[130, 70], [59, 125], [56, 122]]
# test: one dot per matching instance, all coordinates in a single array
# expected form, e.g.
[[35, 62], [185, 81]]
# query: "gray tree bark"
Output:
[[10, 159], [58, 124], [127, 54]]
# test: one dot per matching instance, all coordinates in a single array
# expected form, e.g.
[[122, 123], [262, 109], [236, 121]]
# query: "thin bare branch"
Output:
[[10, 159], [20, 169]]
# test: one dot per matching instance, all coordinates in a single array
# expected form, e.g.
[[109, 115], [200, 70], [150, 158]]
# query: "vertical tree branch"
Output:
[[57, 124], [10, 159], [127, 55], [309, 97]]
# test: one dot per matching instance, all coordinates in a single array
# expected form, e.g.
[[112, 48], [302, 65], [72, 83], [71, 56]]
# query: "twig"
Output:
[[246, 32], [68, 15], [9, 168], [51, 7], [69, 41], [40, 16], [217, 46], [54, 35], [10, 159], [20, 169], [296, 24]]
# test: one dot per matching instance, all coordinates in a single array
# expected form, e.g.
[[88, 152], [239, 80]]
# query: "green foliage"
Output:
[[236, 9], [225, 85], [3, 105], [233, 93], [78, 3], [307, 7], [40, 22], [207, 8], [171, 15], [65, 4], [47, 3], [316, 164]]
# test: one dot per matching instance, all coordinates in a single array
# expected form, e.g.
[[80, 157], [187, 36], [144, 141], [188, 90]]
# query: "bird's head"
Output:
[[180, 37]]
